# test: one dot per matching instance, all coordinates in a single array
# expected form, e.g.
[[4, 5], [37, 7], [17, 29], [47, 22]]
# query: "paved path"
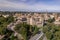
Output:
[[11, 27], [37, 36]]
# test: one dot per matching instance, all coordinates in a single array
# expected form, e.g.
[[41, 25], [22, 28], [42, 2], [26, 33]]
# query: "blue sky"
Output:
[[30, 5]]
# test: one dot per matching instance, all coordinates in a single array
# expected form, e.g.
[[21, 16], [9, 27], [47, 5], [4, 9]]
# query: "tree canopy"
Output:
[[26, 30]]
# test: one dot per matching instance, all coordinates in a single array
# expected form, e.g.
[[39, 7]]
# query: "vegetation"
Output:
[[26, 30], [52, 31], [9, 19], [3, 28], [51, 20], [9, 35], [4, 22]]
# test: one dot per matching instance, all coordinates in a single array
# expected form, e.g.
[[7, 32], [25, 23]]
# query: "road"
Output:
[[37, 36]]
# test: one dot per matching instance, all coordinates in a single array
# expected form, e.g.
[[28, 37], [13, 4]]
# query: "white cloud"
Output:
[[35, 7]]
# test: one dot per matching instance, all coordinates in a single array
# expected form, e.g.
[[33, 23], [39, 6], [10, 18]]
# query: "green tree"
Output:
[[26, 30], [36, 30], [51, 20], [9, 19]]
